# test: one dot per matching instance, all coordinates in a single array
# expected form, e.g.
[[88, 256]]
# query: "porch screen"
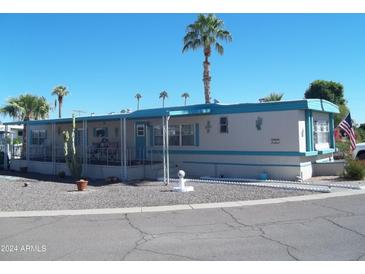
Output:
[[174, 135], [157, 136], [187, 135], [38, 136]]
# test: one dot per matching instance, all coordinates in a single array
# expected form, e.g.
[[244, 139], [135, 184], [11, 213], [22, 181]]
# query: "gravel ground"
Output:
[[47, 193]]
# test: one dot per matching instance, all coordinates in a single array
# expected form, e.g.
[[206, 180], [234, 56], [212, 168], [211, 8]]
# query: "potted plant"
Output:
[[72, 159]]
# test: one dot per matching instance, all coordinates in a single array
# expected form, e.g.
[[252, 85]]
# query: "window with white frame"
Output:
[[140, 130], [38, 136], [179, 135], [321, 134], [157, 136], [187, 135], [223, 124], [174, 135]]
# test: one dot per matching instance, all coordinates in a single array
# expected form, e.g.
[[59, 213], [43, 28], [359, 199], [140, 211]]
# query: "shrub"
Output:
[[355, 170], [61, 174]]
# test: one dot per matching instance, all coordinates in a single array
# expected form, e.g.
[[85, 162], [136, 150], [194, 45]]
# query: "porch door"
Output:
[[140, 136]]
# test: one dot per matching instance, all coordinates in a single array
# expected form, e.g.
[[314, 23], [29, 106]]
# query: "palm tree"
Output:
[[205, 33], [138, 96], [163, 95], [60, 92], [272, 97], [24, 108], [185, 95]]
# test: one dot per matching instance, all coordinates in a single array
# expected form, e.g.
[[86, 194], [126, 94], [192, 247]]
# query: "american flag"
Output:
[[346, 125]]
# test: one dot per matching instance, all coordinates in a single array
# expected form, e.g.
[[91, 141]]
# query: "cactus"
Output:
[[72, 161]]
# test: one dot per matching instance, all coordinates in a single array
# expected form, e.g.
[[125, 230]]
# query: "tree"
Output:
[[24, 108], [205, 33], [344, 110], [163, 96], [185, 95], [272, 97], [138, 96], [330, 91], [60, 92], [327, 90]]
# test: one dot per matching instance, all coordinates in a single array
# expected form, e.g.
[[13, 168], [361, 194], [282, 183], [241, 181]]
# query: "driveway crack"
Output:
[[344, 227], [141, 240]]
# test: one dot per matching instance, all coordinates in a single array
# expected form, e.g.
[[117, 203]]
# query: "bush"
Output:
[[1, 160], [355, 170], [61, 174]]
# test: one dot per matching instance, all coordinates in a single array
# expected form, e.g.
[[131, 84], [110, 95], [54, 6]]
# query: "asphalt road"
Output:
[[328, 229]]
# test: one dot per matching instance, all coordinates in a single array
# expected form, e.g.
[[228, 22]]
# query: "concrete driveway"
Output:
[[326, 229]]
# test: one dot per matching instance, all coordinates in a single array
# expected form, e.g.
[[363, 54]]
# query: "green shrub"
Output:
[[355, 170], [61, 174], [1, 160]]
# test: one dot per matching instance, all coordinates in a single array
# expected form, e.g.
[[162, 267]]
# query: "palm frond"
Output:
[[205, 32]]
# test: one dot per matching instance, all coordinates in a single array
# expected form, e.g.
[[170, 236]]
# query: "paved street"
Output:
[[328, 229]]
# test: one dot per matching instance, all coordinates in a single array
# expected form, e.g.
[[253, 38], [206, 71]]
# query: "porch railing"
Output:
[[111, 156]]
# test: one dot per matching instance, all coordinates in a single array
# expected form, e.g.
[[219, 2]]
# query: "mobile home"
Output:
[[282, 139]]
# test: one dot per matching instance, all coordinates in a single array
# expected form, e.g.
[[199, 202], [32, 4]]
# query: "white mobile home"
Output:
[[281, 139]]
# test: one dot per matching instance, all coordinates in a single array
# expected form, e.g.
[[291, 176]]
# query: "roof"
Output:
[[204, 109]]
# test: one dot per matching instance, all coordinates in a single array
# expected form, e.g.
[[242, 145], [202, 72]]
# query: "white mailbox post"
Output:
[[182, 187]]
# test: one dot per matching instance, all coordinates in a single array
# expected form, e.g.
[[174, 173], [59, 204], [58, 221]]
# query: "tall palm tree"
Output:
[[60, 92], [163, 96], [185, 95], [205, 33], [138, 96], [24, 108], [273, 97]]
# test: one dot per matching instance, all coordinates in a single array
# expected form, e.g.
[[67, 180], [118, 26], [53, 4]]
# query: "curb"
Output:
[[103, 211]]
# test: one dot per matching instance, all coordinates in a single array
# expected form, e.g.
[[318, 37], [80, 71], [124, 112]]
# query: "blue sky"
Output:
[[104, 59]]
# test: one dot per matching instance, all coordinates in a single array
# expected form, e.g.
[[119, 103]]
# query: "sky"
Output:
[[105, 59]]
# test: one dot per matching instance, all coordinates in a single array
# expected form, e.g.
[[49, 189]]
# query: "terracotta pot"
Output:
[[82, 185]]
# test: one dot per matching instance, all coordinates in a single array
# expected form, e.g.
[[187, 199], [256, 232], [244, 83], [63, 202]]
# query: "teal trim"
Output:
[[311, 153], [311, 130], [332, 127], [247, 164], [203, 109], [307, 130], [240, 153], [326, 151], [322, 105], [197, 135]]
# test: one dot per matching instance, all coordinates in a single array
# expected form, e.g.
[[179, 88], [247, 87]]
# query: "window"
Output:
[[187, 135], [140, 130], [174, 135], [223, 122], [38, 136], [101, 132], [157, 136], [321, 134]]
